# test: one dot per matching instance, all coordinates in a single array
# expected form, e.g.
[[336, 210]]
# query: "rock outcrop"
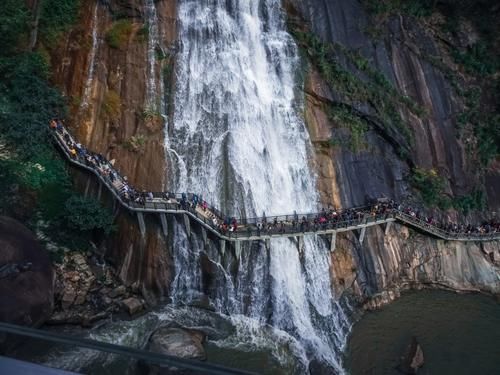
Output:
[[87, 291], [382, 266], [112, 114], [26, 276], [174, 340], [412, 359]]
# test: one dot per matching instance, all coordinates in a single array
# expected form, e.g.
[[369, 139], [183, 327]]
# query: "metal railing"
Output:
[[255, 227], [127, 352]]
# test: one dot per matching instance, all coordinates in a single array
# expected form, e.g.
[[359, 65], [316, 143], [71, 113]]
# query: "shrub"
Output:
[[135, 143], [111, 105], [86, 214], [143, 33], [357, 126], [377, 90], [14, 18], [119, 33], [56, 17], [152, 119], [431, 187]]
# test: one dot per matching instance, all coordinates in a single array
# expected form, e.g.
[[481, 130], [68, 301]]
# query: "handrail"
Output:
[[138, 354], [257, 227]]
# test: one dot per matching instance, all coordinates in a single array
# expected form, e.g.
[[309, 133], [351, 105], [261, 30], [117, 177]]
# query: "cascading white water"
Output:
[[90, 71], [238, 140]]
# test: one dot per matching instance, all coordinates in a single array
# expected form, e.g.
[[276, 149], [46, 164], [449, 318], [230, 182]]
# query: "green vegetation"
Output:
[[56, 18], [143, 33], [13, 25], [415, 8], [135, 143], [477, 59], [111, 105], [86, 214], [34, 180], [344, 117], [375, 89], [431, 187], [119, 33]]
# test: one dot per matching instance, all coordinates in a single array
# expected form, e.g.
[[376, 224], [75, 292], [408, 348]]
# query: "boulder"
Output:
[[412, 359], [178, 342], [132, 305], [26, 276], [117, 292]]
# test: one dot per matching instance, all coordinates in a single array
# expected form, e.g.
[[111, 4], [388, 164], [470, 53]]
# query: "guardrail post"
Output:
[[164, 225], [142, 224], [237, 249], [387, 227], [333, 242], [362, 235], [204, 235], [187, 225], [222, 247]]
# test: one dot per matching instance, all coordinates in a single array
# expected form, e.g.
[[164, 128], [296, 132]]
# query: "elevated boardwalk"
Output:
[[247, 229]]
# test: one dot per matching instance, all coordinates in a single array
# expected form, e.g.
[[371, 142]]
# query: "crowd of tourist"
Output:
[[327, 219]]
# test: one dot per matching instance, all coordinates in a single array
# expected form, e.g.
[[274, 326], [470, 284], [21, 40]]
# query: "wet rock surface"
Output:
[[412, 359], [88, 291], [26, 276], [179, 342], [175, 340]]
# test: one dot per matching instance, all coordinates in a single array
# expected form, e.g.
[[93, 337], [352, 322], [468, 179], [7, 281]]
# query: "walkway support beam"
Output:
[[387, 227], [300, 242], [362, 235], [142, 223], [222, 247], [99, 191], [237, 249], [187, 225], [204, 235], [333, 242], [164, 225]]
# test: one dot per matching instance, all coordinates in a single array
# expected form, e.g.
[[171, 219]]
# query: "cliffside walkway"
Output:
[[249, 229]]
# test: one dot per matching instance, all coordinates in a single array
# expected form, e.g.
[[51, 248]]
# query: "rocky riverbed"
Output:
[[87, 290]]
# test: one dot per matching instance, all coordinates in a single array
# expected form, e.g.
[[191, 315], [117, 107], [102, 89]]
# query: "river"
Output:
[[459, 334]]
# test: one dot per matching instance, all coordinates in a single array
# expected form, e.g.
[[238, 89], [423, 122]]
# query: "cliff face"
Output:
[[401, 50], [103, 68], [111, 113]]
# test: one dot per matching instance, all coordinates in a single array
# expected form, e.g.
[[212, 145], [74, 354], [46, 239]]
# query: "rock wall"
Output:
[[384, 265], [109, 114]]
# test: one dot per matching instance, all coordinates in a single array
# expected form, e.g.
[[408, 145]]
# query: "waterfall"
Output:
[[239, 140], [90, 71]]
